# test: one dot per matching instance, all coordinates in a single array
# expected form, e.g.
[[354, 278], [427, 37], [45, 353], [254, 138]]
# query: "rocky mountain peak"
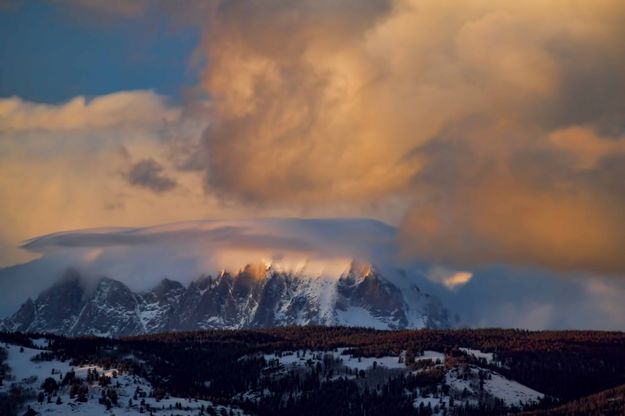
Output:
[[256, 296], [167, 286]]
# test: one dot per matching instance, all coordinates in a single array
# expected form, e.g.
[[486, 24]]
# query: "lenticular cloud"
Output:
[[184, 251]]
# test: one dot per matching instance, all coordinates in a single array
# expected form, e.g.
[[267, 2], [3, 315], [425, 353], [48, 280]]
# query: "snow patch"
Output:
[[358, 316], [488, 356], [510, 391]]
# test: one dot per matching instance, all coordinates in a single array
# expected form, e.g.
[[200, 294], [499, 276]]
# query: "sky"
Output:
[[490, 134]]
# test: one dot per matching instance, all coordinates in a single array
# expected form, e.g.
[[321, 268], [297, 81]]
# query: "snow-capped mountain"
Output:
[[254, 273], [257, 296]]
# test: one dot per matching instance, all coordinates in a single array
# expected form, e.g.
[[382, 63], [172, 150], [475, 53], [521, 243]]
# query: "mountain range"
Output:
[[256, 296]]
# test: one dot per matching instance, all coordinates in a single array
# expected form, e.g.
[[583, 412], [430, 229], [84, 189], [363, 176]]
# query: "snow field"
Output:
[[31, 374]]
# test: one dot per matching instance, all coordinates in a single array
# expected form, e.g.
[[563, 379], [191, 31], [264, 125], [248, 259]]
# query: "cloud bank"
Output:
[[503, 123], [491, 132]]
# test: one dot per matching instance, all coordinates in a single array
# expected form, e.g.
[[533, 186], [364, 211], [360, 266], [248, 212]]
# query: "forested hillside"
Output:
[[337, 370]]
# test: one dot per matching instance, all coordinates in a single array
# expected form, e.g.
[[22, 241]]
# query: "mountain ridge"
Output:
[[256, 296]]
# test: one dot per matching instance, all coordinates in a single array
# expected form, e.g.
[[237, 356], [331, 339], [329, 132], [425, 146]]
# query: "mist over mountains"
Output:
[[256, 297], [305, 250]]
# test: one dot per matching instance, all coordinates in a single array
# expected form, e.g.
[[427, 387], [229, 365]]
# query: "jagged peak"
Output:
[[104, 285], [166, 285], [359, 271], [367, 270], [257, 271], [104, 281], [28, 305], [261, 293]]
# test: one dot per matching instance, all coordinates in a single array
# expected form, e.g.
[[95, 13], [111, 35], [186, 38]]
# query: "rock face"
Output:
[[254, 297], [55, 310]]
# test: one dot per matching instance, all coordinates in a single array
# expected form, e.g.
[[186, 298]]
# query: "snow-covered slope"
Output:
[[461, 385], [131, 392], [436, 383]]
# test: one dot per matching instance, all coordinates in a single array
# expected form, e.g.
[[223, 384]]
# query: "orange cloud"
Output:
[[502, 122], [449, 278], [66, 166], [495, 128], [501, 218]]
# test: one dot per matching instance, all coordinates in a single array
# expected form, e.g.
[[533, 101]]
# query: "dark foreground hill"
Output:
[[317, 371], [609, 402]]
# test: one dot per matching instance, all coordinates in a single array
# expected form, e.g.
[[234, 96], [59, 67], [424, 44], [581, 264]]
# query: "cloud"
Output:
[[116, 110], [65, 166], [497, 129], [147, 173], [502, 122], [504, 296], [451, 279], [295, 234], [109, 162], [141, 256], [289, 120]]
